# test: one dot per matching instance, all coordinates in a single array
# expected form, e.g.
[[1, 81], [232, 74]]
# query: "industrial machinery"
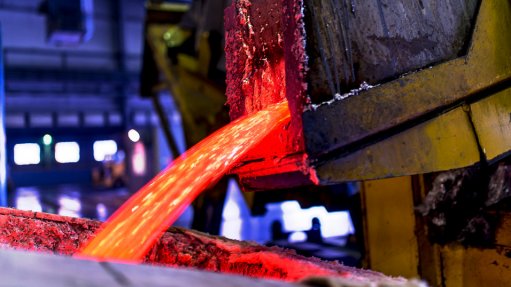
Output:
[[434, 120], [440, 101], [437, 102], [194, 91], [455, 113]]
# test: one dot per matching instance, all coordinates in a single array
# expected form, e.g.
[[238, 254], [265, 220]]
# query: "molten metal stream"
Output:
[[133, 229]]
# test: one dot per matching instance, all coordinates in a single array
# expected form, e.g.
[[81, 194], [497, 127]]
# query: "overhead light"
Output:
[[138, 160], [27, 153], [47, 139], [67, 152], [104, 149], [133, 135]]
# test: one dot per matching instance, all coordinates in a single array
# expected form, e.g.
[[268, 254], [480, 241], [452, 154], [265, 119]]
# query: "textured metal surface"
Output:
[[459, 138], [395, 255], [471, 267], [351, 41], [400, 242], [438, 118], [418, 94], [398, 128], [266, 62], [443, 143], [492, 122]]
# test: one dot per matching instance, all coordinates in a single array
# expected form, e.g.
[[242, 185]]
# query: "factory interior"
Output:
[[316, 143]]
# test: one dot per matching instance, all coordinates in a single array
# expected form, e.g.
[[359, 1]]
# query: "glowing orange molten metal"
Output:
[[133, 229]]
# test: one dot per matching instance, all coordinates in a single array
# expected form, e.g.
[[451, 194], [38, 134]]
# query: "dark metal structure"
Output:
[[426, 97], [438, 99]]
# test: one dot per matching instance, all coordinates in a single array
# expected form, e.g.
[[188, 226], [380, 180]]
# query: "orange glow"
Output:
[[133, 229]]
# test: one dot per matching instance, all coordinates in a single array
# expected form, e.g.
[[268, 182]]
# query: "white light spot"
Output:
[[133, 135], [104, 149], [27, 153], [67, 152]]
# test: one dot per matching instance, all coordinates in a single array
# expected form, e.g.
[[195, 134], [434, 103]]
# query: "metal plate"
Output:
[[492, 121], [443, 143], [418, 96]]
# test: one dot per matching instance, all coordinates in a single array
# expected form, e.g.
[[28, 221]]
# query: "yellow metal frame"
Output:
[[397, 243], [477, 127], [389, 224]]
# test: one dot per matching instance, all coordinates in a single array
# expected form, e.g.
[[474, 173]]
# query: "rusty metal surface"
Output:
[[471, 267], [256, 79]]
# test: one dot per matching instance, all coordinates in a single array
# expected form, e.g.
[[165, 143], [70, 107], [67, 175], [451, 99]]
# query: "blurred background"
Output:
[[80, 139], [91, 116]]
